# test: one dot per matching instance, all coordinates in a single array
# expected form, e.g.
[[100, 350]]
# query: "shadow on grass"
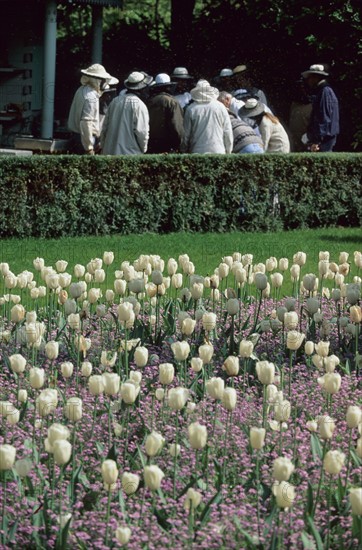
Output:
[[342, 238]]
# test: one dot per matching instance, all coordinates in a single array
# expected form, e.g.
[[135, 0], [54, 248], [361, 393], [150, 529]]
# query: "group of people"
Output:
[[172, 113]]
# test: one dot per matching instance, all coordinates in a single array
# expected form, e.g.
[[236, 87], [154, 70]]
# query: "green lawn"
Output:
[[205, 250]]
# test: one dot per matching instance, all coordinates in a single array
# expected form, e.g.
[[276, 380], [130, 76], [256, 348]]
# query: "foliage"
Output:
[[69, 195]]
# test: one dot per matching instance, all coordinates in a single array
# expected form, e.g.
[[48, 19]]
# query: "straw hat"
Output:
[[181, 72], [315, 69], [252, 108], [137, 80], [97, 71]]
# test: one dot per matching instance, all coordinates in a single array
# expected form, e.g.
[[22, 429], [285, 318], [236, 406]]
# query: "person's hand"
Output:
[[314, 148], [90, 152]]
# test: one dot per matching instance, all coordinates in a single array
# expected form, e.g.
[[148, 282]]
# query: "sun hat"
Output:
[[225, 73], [163, 81], [97, 71], [203, 92], [252, 108], [137, 80], [181, 72], [315, 69], [239, 69]]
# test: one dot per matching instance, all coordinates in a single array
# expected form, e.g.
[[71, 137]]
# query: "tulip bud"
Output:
[[36, 378], [188, 326], [215, 387], [192, 500], [174, 450], [309, 347], [206, 352], [246, 348], [209, 321], [332, 382], [17, 363], [73, 409], [197, 364], [333, 462], [265, 372], [228, 399], [23, 467], [326, 426], [197, 435], [160, 394], [231, 365], [111, 383], [284, 493], [129, 392], [355, 314], [86, 369], [257, 438], [355, 499], [294, 340], [109, 472], [96, 384], [141, 356], [7, 457], [261, 281], [123, 535], [153, 476], [67, 369], [17, 313], [282, 468], [130, 482], [177, 398], [166, 373], [62, 451], [282, 411], [290, 320], [22, 396], [353, 416], [154, 443], [322, 348]]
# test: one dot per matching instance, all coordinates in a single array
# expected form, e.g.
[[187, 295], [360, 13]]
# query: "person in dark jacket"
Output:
[[166, 117], [324, 123]]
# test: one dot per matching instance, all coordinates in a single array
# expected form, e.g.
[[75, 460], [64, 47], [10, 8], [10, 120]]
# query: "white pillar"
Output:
[[97, 33], [50, 46]]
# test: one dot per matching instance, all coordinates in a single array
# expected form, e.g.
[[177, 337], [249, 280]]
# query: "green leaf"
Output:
[[309, 507], [315, 533], [308, 544], [112, 453], [248, 538], [206, 511], [316, 447], [61, 540]]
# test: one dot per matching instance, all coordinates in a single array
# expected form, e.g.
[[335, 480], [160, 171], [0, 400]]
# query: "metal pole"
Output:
[[97, 33], [50, 46]]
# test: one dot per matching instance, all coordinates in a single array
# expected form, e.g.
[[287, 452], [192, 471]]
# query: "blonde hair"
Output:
[[271, 117]]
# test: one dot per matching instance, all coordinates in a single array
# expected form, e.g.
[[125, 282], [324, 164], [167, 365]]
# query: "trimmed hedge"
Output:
[[53, 196]]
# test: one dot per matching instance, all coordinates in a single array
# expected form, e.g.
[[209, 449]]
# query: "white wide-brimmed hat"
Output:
[[315, 69], [97, 71], [203, 92], [252, 108], [224, 73], [181, 72], [239, 69], [138, 80]]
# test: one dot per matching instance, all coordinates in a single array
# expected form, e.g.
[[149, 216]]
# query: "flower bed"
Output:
[[151, 407]]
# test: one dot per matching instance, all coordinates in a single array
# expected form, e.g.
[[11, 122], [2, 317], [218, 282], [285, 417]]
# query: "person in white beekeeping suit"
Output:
[[83, 120]]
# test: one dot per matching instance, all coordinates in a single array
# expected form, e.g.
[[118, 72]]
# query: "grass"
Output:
[[205, 250]]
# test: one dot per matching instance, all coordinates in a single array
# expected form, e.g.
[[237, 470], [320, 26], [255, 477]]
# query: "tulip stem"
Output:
[[3, 537], [264, 405], [329, 512], [280, 438], [107, 516], [290, 373], [228, 417], [60, 505], [257, 490], [348, 459], [175, 457], [94, 415], [320, 480]]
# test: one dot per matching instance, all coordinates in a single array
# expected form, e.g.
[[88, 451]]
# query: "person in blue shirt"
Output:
[[323, 128]]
